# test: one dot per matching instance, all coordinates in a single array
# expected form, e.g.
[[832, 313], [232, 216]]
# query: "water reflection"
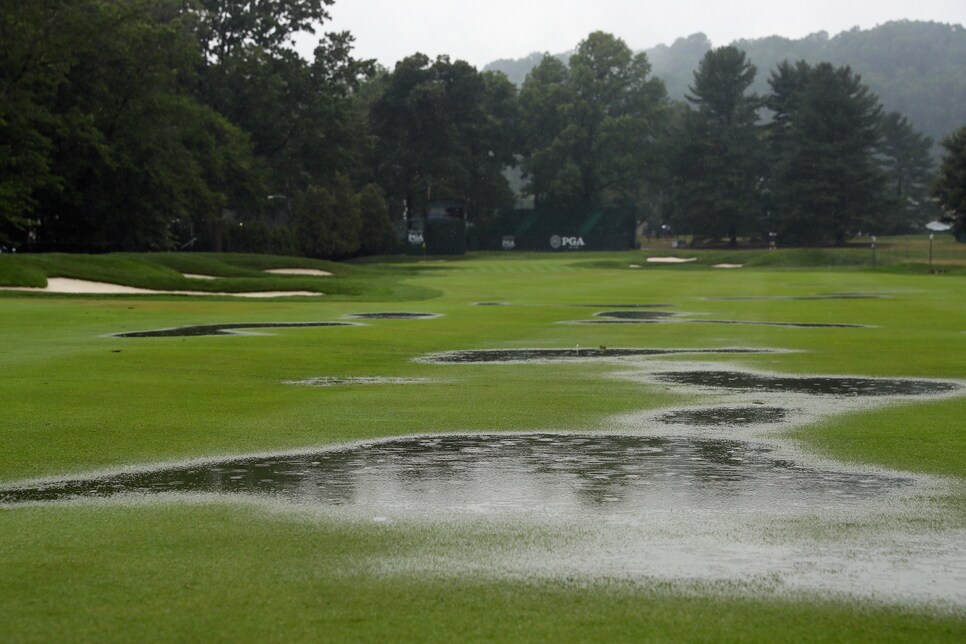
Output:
[[726, 416], [393, 315], [814, 385], [525, 355], [636, 315], [567, 477], [222, 329]]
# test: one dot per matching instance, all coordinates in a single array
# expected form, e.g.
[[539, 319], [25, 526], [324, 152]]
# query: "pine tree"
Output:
[[906, 159], [950, 188], [719, 159], [825, 182]]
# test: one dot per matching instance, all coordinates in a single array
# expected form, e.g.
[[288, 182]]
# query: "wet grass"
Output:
[[237, 574], [236, 273], [75, 400]]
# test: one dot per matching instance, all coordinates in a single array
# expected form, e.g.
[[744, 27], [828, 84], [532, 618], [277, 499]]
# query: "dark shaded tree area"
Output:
[[823, 166], [719, 163], [162, 124], [193, 124], [591, 129], [824, 183], [444, 131], [950, 188]]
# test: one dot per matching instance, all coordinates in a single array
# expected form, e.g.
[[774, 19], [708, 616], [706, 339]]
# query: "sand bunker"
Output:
[[728, 266], [69, 286], [311, 272], [671, 260]]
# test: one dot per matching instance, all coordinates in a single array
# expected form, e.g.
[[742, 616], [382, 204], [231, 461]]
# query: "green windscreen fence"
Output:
[[557, 230]]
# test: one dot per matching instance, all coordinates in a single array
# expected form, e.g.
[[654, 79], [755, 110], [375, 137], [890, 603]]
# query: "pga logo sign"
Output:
[[557, 242]]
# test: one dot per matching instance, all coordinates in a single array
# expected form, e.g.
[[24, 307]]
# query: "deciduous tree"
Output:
[[595, 125]]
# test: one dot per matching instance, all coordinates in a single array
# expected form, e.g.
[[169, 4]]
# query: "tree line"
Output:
[[193, 124], [914, 67]]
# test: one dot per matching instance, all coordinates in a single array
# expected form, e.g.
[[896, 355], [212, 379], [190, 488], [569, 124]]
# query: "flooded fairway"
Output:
[[595, 506], [704, 491], [562, 475]]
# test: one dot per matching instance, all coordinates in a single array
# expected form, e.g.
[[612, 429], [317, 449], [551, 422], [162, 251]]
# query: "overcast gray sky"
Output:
[[480, 32]]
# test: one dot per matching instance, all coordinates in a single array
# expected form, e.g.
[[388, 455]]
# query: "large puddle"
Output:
[[222, 329], [636, 315], [577, 353], [699, 492], [812, 385], [393, 315], [727, 416], [559, 474], [793, 325]]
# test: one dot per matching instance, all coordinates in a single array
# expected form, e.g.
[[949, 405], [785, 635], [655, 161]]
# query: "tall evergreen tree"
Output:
[[718, 162], [825, 182], [950, 188], [906, 159]]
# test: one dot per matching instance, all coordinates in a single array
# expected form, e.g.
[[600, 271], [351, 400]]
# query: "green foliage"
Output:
[[34, 59], [328, 221], [950, 188], [906, 159], [108, 148], [590, 128], [377, 236], [719, 157], [225, 26], [444, 131], [825, 184], [914, 67]]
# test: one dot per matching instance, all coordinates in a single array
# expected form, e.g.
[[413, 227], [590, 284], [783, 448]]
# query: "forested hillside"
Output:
[[917, 68]]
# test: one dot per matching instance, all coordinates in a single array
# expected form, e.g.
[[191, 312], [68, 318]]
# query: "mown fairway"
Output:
[[76, 400]]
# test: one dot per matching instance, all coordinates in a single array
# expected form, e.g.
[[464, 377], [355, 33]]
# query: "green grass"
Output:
[[75, 400], [232, 574], [238, 273]]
